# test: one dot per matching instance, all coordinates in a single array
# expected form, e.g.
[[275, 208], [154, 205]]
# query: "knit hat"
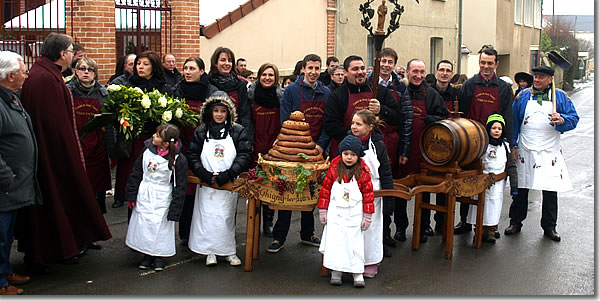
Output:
[[353, 144], [496, 117]]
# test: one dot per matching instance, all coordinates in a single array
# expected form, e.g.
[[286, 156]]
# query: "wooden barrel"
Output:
[[455, 139]]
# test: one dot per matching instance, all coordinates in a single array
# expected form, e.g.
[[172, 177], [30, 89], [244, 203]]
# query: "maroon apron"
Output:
[[187, 133], [391, 139], [485, 101], [313, 113], [419, 113], [233, 95], [92, 144], [266, 128], [356, 102]]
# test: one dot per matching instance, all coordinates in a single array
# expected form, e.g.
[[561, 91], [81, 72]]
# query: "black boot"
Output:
[[268, 220]]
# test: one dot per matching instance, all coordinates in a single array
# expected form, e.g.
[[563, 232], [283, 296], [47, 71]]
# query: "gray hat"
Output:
[[543, 69], [353, 144]]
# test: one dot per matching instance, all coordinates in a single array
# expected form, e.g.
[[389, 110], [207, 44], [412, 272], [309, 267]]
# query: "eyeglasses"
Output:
[[26, 72], [82, 69], [340, 75], [70, 50]]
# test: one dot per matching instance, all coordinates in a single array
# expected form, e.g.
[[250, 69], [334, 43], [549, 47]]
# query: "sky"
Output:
[[568, 7]]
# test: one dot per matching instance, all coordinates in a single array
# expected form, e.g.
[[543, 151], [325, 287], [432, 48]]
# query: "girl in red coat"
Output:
[[345, 208]]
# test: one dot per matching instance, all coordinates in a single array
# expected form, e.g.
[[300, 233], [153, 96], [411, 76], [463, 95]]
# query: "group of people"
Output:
[[371, 140]]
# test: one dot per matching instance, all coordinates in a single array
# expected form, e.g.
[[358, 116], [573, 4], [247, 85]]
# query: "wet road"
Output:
[[522, 264]]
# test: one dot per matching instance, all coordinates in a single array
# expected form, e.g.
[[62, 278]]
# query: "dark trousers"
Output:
[[518, 209], [7, 234], [464, 211], [185, 221], [440, 199], [400, 217], [267, 216], [282, 226]]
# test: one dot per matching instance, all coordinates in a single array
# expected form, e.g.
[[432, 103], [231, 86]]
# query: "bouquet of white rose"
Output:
[[131, 108]]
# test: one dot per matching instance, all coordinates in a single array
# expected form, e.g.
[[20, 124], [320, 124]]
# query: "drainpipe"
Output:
[[458, 63]]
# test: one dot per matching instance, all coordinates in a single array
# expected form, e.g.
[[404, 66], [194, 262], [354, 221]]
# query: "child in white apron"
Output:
[[345, 208], [365, 126], [496, 160], [219, 151], [156, 193]]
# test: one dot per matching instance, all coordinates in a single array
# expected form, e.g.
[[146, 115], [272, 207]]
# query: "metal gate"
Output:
[[142, 25], [26, 23]]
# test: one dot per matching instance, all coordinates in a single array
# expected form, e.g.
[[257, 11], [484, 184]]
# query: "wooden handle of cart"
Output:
[[553, 96]]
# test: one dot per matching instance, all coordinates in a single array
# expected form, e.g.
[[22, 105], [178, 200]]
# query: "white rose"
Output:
[[162, 101], [178, 113], [138, 90], [146, 102], [166, 116], [113, 88]]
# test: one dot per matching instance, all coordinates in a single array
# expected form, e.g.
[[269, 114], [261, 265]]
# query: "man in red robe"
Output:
[[69, 219]]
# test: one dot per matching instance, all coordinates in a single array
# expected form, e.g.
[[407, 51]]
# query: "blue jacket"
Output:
[[564, 106], [291, 102]]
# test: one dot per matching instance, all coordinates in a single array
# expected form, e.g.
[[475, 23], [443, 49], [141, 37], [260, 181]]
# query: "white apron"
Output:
[[343, 240], [149, 230], [374, 234], [540, 164], [494, 161], [213, 220]]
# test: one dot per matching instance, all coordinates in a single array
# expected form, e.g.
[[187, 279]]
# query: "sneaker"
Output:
[[233, 260], [146, 262], [159, 264], [359, 281], [336, 278], [313, 241], [275, 247], [211, 260], [370, 270]]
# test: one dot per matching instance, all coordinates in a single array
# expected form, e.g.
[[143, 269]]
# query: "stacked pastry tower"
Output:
[[293, 140]]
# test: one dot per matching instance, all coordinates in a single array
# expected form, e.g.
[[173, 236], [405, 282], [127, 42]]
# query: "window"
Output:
[[519, 11], [528, 14], [533, 59], [371, 51], [537, 20], [435, 48]]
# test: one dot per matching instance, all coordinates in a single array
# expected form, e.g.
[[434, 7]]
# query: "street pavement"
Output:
[[524, 264]]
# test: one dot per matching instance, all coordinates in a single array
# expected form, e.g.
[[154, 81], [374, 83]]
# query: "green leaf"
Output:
[[304, 156]]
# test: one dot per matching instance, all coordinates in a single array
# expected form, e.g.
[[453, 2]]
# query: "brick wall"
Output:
[[331, 18], [185, 31], [93, 27]]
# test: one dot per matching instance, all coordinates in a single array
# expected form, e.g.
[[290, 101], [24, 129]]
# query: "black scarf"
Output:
[[195, 90], [214, 129], [494, 141], [266, 97], [225, 83], [147, 84], [86, 89]]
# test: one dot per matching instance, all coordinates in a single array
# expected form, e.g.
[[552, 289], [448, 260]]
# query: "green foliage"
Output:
[[302, 175]]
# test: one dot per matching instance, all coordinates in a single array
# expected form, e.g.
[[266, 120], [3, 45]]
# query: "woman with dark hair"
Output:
[[148, 74], [194, 88], [288, 80], [265, 96], [224, 77]]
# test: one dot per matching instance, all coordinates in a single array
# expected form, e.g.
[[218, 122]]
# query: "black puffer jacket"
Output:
[[229, 84], [180, 177], [238, 133], [385, 170]]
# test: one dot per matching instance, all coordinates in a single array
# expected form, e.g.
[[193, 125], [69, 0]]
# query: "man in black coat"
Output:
[[428, 107], [325, 76], [485, 94], [18, 164], [172, 75]]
